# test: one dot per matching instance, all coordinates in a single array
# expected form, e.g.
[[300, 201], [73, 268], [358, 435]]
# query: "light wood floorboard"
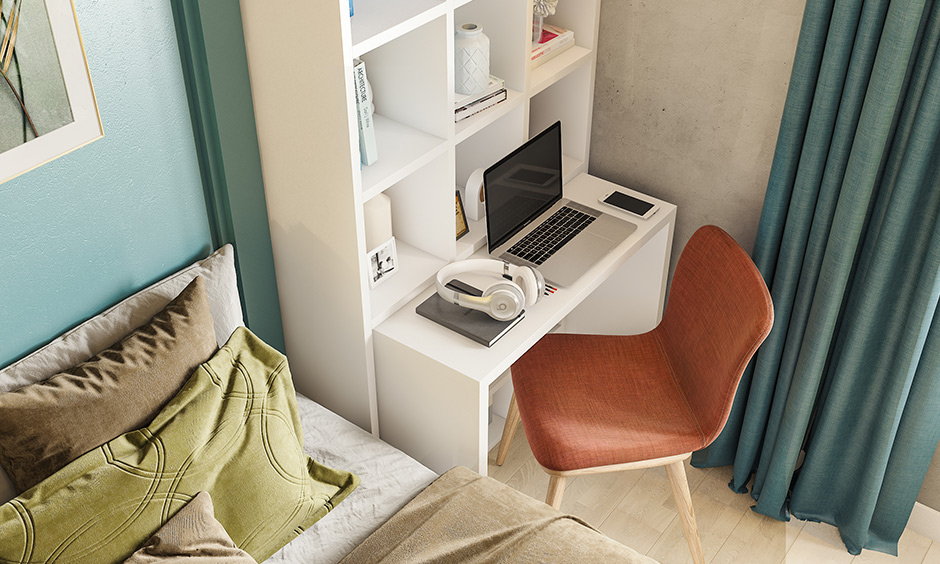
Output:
[[636, 508]]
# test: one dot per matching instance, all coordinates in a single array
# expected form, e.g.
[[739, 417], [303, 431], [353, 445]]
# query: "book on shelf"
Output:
[[368, 149], [495, 85], [554, 40], [466, 105], [470, 323], [478, 106]]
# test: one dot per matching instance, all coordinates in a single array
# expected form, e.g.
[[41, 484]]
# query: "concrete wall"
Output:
[[687, 104]]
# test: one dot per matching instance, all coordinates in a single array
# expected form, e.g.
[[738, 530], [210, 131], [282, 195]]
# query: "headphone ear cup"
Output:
[[506, 301], [532, 284]]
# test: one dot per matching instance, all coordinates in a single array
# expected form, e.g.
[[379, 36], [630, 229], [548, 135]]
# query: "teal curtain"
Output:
[[838, 416]]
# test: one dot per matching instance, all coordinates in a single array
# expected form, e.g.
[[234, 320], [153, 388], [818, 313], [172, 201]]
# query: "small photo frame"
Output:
[[383, 262], [462, 227]]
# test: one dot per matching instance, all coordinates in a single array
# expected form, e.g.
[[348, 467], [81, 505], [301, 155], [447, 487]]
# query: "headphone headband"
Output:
[[502, 300]]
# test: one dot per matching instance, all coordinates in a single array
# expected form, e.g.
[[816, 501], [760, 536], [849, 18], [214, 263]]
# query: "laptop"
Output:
[[529, 223]]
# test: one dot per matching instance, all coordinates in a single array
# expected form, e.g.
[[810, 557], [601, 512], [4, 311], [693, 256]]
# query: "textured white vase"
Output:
[[472, 59]]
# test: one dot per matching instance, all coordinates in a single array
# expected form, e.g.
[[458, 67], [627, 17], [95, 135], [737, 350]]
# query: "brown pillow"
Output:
[[46, 425], [192, 536]]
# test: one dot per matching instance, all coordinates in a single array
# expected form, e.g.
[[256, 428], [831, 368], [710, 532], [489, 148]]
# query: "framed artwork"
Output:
[[383, 262], [462, 226], [47, 104]]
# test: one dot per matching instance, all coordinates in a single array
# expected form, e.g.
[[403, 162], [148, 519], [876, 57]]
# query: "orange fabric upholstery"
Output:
[[592, 400]]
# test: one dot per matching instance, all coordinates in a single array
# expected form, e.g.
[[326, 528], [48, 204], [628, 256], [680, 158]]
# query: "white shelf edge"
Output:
[[397, 30], [471, 242], [557, 68], [416, 270], [405, 150], [466, 128], [571, 167]]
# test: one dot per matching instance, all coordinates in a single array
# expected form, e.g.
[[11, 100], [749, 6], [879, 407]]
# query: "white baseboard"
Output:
[[925, 521]]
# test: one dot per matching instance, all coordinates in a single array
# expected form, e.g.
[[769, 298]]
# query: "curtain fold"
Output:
[[837, 417]]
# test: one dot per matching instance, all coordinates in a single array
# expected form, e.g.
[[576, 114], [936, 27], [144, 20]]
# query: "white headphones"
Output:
[[518, 287]]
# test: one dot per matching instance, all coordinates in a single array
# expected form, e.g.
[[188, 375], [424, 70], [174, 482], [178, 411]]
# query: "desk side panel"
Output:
[[433, 413]]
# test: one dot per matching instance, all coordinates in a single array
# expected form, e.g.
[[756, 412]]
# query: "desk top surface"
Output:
[[486, 364]]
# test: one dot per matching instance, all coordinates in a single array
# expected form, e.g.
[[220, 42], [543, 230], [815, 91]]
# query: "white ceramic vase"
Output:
[[472, 59]]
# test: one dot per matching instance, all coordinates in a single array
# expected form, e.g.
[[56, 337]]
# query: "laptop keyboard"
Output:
[[547, 238]]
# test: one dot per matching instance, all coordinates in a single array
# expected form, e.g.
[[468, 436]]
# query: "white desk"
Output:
[[433, 384]]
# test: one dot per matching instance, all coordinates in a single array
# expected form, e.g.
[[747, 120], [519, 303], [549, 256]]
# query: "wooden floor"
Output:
[[636, 508]]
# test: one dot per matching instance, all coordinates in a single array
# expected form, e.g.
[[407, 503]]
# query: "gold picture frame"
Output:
[[46, 95], [462, 226]]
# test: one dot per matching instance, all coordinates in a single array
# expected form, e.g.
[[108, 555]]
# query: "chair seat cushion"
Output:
[[629, 405]]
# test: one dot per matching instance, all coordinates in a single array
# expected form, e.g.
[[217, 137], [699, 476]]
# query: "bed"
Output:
[[240, 425]]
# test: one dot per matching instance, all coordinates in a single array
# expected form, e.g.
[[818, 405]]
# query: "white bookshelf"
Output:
[[300, 56]]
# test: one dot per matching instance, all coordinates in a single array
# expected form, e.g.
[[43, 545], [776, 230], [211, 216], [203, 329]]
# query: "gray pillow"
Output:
[[46, 425], [108, 327]]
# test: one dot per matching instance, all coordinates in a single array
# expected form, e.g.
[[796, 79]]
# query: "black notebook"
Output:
[[470, 323]]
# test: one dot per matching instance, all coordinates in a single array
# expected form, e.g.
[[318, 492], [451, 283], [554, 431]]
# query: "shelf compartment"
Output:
[[555, 69], [416, 270], [402, 151], [471, 242], [475, 123], [377, 22]]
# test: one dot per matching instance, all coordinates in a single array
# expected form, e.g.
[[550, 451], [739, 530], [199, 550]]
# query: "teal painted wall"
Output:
[[86, 230]]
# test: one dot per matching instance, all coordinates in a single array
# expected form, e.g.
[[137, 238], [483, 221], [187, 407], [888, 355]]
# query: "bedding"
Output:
[[233, 430], [193, 536], [44, 426], [468, 518], [389, 479]]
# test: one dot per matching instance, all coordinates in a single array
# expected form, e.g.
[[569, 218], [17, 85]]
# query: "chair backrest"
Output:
[[719, 312]]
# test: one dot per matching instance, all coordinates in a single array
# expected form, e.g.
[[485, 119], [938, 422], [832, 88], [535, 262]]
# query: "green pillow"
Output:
[[233, 430]]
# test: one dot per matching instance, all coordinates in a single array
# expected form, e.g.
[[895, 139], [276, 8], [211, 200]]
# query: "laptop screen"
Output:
[[522, 185]]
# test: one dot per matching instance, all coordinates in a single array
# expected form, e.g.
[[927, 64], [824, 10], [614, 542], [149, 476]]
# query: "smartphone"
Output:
[[629, 204]]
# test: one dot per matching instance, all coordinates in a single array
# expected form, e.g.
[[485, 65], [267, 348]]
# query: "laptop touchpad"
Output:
[[610, 227]]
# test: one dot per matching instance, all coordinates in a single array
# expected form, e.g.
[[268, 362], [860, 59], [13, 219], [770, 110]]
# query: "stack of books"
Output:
[[554, 40], [467, 105]]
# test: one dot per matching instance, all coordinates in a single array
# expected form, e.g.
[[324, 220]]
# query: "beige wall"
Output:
[[687, 105]]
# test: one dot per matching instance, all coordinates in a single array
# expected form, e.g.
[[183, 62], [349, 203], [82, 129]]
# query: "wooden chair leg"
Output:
[[680, 490], [556, 488], [509, 430]]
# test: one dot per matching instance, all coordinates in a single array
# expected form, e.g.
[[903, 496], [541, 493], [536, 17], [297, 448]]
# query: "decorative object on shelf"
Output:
[[377, 216], [473, 195], [540, 9], [554, 40], [471, 59], [383, 262], [365, 108], [462, 227], [49, 107], [350, 8], [467, 105]]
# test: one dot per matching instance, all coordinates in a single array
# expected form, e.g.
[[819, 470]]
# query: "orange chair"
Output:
[[598, 403]]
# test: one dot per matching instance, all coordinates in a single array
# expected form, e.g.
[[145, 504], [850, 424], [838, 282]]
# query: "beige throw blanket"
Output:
[[467, 518]]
